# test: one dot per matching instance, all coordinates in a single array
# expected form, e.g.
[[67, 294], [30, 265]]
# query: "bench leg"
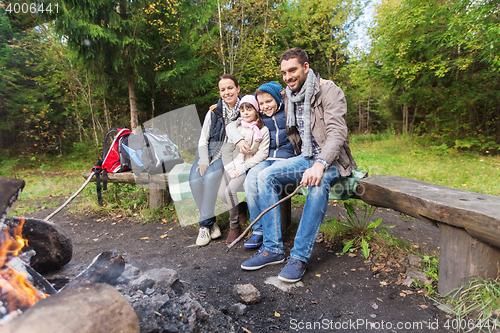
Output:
[[158, 196], [462, 257]]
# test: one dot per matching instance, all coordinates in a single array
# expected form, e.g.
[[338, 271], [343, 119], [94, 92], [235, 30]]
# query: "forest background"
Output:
[[70, 70]]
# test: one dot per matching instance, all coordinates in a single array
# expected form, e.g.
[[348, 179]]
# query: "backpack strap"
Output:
[[97, 169]]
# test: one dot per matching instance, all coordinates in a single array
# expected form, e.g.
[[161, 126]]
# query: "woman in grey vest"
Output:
[[207, 169]]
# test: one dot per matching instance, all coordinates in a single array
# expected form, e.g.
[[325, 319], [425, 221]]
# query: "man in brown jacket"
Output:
[[317, 128]]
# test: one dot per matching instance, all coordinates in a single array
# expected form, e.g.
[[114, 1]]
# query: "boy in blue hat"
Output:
[[273, 114]]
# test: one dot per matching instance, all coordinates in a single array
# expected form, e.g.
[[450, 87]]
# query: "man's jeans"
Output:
[[205, 189], [284, 176]]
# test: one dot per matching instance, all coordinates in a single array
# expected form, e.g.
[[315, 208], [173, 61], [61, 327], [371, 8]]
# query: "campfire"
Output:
[[16, 292], [107, 296]]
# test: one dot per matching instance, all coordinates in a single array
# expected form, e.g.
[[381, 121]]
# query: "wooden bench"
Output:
[[159, 195], [157, 185], [468, 222]]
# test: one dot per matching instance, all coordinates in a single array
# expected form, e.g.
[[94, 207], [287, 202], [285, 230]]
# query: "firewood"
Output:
[[106, 268]]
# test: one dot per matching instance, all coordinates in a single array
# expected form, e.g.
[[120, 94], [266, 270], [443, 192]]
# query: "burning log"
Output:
[[53, 249], [106, 268], [87, 308]]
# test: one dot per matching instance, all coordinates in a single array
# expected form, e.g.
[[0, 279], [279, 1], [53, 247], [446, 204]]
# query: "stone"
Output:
[[142, 283], [418, 275], [238, 309], [89, 308], [414, 260], [284, 286], [129, 273], [246, 293], [164, 279]]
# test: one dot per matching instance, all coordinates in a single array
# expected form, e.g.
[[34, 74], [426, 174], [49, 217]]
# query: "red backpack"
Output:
[[111, 160]]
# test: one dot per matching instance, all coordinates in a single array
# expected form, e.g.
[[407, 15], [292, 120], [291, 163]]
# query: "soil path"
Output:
[[339, 293]]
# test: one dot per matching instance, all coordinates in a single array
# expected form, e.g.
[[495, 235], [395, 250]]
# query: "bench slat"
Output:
[[477, 213], [130, 178]]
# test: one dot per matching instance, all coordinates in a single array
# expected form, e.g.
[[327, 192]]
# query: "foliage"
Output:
[[479, 302], [431, 270], [362, 229], [440, 62]]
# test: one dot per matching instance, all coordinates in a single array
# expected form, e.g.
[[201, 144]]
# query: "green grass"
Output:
[[476, 306], [404, 156]]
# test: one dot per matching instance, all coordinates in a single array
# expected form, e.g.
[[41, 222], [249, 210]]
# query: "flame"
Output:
[[12, 245], [20, 293]]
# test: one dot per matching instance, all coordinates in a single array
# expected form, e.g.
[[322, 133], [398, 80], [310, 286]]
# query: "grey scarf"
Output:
[[230, 114], [305, 94]]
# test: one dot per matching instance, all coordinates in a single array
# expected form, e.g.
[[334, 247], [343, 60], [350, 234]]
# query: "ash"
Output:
[[162, 305]]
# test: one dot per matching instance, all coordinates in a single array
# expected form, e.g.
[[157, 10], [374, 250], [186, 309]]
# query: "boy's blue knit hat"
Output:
[[273, 88]]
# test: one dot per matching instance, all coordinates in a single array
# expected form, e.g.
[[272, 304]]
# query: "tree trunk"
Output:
[[220, 34], [368, 112], [134, 119], [360, 125]]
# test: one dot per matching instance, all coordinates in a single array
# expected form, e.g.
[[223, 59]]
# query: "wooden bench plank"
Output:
[[477, 213], [130, 178]]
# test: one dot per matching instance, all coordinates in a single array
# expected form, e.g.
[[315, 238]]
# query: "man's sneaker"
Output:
[[254, 242], [293, 271], [215, 231], [261, 259], [203, 236]]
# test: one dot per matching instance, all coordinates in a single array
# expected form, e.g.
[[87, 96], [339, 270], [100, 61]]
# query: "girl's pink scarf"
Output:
[[257, 135]]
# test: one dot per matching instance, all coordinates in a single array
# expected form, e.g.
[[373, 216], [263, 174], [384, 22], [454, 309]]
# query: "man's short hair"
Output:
[[296, 53]]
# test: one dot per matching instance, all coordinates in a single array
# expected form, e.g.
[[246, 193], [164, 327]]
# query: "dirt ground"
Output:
[[339, 293]]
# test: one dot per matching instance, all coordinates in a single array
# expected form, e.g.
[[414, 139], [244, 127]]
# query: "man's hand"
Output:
[[202, 168], [234, 174], [244, 147], [313, 175]]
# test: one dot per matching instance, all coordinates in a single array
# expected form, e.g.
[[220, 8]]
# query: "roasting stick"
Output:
[[70, 199], [260, 215]]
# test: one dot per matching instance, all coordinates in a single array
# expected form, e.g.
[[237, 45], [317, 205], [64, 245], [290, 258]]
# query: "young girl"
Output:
[[236, 164]]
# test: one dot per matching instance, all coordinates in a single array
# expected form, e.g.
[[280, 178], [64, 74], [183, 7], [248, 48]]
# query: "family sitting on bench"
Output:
[[304, 141]]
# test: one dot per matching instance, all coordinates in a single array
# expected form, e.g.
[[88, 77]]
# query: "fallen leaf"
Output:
[[383, 283], [276, 314], [353, 269], [318, 275], [408, 292], [163, 236], [352, 255], [420, 291], [380, 300], [374, 268], [402, 294], [95, 239], [164, 220], [245, 330], [423, 306], [375, 306], [113, 223], [144, 238], [170, 229]]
